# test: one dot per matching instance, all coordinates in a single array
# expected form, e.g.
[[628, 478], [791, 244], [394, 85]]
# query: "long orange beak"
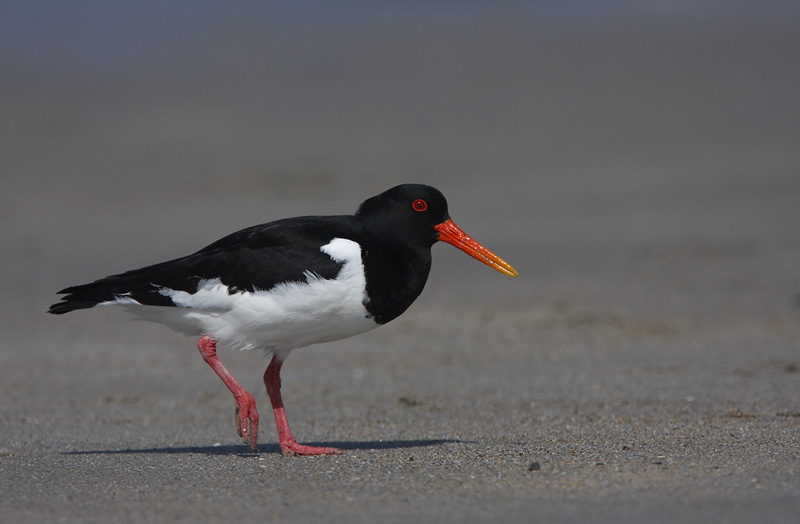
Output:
[[453, 235]]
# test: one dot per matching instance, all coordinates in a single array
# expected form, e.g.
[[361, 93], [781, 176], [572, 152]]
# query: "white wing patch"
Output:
[[288, 316], [211, 294]]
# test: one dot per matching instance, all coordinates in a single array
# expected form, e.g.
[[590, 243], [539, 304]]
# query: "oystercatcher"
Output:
[[291, 283]]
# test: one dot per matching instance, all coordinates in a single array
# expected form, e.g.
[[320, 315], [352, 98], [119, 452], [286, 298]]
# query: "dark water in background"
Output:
[[52, 38]]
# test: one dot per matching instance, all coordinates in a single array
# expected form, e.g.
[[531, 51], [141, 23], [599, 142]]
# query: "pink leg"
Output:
[[289, 446], [245, 403]]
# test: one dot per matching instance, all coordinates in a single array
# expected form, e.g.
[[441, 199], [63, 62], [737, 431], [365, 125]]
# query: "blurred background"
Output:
[[637, 162], [566, 135], [654, 128]]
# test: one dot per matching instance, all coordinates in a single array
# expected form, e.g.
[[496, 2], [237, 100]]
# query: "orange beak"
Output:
[[453, 235]]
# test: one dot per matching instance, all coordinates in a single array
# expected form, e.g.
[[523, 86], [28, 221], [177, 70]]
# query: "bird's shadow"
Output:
[[242, 450]]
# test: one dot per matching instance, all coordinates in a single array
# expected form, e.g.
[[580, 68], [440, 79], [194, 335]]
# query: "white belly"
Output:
[[288, 316]]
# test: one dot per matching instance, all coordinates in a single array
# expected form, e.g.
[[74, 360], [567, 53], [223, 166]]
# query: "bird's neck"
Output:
[[395, 279]]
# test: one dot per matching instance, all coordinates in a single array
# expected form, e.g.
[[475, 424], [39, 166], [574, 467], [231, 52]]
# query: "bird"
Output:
[[290, 283]]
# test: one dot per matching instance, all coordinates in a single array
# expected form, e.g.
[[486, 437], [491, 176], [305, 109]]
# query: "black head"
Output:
[[415, 216], [407, 213]]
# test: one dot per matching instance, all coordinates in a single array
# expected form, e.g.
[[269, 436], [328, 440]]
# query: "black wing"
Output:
[[259, 257]]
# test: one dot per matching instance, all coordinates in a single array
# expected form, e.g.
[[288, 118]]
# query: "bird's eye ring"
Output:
[[419, 205]]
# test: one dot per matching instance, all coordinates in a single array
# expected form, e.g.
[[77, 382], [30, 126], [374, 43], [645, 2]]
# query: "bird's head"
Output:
[[416, 215]]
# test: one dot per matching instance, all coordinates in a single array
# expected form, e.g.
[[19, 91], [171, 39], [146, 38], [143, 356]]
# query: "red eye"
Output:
[[419, 205]]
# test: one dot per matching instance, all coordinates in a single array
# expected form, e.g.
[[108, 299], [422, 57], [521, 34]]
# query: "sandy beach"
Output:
[[639, 167]]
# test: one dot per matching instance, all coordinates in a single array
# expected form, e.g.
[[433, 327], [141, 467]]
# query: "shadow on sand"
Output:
[[245, 451]]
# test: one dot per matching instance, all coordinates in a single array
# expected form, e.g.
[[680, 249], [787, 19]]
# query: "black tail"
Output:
[[109, 289], [83, 297], [223, 259], [142, 285], [65, 307]]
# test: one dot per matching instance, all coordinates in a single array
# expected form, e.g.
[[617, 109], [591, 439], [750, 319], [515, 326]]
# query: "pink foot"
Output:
[[289, 446], [292, 448], [246, 412], [247, 419]]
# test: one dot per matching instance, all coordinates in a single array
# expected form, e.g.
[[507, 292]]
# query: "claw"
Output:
[[293, 449], [247, 419]]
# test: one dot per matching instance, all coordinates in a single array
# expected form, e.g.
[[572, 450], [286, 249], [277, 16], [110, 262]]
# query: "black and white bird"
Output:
[[291, 283]]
